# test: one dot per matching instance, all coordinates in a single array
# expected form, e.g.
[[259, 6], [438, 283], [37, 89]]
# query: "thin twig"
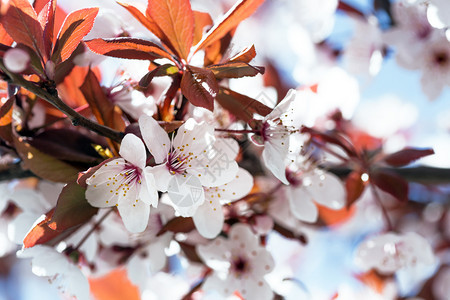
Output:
[[96, 225], [76, 118]]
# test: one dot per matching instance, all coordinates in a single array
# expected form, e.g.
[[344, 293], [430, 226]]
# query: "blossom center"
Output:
[[178, 161], [240, 266]]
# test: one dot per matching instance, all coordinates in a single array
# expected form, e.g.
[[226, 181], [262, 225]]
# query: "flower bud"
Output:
[[16, 60]]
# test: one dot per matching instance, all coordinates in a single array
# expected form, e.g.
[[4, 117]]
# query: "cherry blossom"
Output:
[[209, 217], [276, 131], [311, 185], [390, 252], [438, 13], [126, 183], [191, 160], [239, 264], [60, 270]]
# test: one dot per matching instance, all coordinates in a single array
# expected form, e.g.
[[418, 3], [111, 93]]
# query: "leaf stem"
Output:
[[53, 98]]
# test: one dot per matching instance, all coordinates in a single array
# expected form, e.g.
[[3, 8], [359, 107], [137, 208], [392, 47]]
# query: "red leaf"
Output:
[[76, 26], [21, 23], [176, 20], [241, 106], [239, 12], [235, 70], [201, 20], [40, 233], [199, 86], [332, 138], [130, 48], [178, 224], [391, 183], [50, 26], [147, 21], [5, 39], [406, 156], [354, 186], [245, 55]]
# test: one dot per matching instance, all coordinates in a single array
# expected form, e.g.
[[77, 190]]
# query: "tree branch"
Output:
[[53, 98]]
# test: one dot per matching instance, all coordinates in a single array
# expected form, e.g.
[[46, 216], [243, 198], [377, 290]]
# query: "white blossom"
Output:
[[60, 270], [390, 252], [126, 183], [239, 264], [187, 162]]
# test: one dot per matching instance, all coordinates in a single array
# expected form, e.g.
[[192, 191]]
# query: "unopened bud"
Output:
[[16, 60], [50, 70]]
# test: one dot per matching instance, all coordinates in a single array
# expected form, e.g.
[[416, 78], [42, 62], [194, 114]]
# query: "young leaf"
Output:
[[176, 20], [199, 86], [40, 233], [21, 23], [130, 48], [49, 26], [163, 70], [406, 156], [239, 12], [241, 106], [147, 21], [235, 70], [246, 55], [391, 183], [76, 26], [72, 209]]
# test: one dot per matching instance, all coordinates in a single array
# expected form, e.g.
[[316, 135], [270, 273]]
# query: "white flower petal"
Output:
[[194, 137], [155, 137], [102, 195], [214, 254], [257, 289], [134, 215], [328, 190], [302, 205], [209, 218], [161, 175], [239, 187], [283, 106], [274, 158], [241, 234], [148, 191], [186, 194], [133, 150]]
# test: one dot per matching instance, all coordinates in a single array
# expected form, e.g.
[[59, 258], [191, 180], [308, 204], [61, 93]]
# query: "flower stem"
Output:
[[96, 225], [53, 98], [237, 131]]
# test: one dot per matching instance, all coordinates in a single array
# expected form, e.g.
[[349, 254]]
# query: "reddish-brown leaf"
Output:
[[21, 23], [147, 21], [102, 108], [5, 120], [239, 12], [76, 26], [199, 86], [130, 48], [241, 106], [163, 70], [391, 183], [72, 208], [235, 70], [406, 156], [201, 20], [246, 55], [176, 20], [354, 186], [178, 224], [50, 26], [190, 252]]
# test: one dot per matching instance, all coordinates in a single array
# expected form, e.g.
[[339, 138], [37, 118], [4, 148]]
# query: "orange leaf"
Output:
[[76, 26], [50, 25], [334, 217], [40, 233], [235, 70], [147, 21], [130, 48], [114, 286], [201, 20], [5, 39], [176, 20], [354, 186], [245, 55], [21, 23], [239, 12]]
